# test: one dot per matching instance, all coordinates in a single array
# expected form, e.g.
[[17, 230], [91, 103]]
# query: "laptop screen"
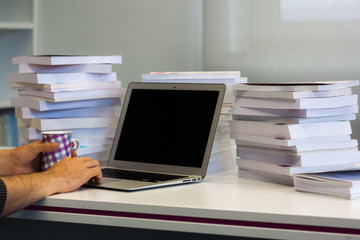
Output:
[[168, 127]]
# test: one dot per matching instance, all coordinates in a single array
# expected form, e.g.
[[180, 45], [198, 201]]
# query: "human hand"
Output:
[[72, 172], [27, 158]]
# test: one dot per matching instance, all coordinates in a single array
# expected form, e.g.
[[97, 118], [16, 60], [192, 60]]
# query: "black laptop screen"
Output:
[[168, 127]]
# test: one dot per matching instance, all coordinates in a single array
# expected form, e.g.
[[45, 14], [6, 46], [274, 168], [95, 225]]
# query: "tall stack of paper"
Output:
[[289, 128], [77, 93], [223, 155]]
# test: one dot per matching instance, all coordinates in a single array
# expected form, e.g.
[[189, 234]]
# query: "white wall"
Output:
[[151, 35], [284, 40], [267, 40]]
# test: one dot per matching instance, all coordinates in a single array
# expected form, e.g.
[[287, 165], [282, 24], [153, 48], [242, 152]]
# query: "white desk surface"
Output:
[[222, 204]]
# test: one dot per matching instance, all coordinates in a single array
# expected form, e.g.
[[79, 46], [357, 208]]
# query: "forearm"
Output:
[[65, 176], [5, 163], [25, 190]]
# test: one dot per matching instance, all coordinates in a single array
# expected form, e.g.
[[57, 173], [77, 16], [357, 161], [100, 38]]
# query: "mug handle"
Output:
[[76, 144]]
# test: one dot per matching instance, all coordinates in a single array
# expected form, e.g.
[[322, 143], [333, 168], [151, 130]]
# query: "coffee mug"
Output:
[[65, 140]]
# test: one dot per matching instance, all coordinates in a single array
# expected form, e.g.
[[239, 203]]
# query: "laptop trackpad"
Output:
[[123, 184]]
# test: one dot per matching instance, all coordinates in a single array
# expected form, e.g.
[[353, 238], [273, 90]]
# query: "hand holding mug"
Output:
[[65, 141]]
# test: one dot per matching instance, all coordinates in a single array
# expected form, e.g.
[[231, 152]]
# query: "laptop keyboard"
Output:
[[138, 176]]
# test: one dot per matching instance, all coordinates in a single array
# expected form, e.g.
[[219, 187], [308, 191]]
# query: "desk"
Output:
[[223, 204]]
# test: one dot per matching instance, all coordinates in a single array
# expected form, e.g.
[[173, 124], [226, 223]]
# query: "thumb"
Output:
[[45, 147]]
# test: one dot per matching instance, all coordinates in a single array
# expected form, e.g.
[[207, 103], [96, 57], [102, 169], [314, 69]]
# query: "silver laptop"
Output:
[[165, 135]]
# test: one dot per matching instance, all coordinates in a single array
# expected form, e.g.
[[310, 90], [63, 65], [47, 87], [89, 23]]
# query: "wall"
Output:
[[151, 35], [284, 40], [267, 40], [16, 38]]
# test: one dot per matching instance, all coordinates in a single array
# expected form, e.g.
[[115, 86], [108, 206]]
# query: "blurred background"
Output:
[[267, 40]]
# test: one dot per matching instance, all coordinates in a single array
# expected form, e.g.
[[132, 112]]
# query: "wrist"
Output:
[[6, 163], [52, 182]]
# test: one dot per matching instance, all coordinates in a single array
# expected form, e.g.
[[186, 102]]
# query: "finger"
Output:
[[93, 163], [73, 154], [86, 160], [98, 177], [90, 162], [39, 146], [92, 180]]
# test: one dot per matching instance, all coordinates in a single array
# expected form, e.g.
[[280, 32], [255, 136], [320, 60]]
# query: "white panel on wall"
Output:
[[319, 10]]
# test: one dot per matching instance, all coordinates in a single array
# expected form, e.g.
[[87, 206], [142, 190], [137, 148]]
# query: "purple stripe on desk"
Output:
[[215, 221]]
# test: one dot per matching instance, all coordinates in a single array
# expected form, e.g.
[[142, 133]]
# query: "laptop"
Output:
[[164, 136]]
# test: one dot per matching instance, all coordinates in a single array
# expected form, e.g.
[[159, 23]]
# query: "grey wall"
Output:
[[284, 40], [151, 35], [267, 40]]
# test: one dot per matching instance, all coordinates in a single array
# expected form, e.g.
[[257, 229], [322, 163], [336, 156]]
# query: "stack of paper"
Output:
[[344, 184], [282, 129], [77, 93], [223, 155], [8, 133]]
